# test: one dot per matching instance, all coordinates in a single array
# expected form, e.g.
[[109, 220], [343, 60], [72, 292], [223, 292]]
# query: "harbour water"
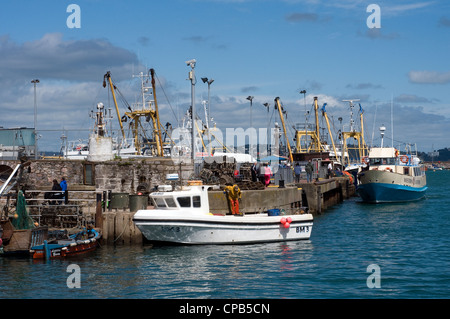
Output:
[[408, 244]]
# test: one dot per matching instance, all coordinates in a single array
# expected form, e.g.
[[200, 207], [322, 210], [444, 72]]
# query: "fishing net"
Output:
[[21, 219]]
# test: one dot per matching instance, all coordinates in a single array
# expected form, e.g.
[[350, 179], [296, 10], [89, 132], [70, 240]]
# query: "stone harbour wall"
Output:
[[123, 176]]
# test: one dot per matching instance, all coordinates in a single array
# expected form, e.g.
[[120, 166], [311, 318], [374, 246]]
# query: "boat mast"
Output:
[[193, 80], [392, 119], [359, 136], [382, 130]]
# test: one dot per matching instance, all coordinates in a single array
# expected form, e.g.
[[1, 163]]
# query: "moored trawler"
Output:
[[391, 177]]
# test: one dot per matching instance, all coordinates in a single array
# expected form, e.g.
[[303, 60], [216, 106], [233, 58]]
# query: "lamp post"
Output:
[[304, 98], [192, 63], [35, 81], [205, 80], [250, 149], [250, 98], [267, 105]]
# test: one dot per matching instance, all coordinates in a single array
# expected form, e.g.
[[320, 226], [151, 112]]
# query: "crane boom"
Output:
[[324, 113], [158, 135], [108, 77], [278, 106]]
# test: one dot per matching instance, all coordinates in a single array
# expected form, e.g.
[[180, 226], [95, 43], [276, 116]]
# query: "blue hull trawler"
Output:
[[390, 177]]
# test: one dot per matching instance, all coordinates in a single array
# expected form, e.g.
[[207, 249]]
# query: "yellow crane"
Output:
[[107, 77], [145, 111], [361, 149], [280, 110], [315, 145], [324, 114]]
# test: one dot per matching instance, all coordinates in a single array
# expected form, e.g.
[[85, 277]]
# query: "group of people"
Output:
[[261, 172], [58, 191], [309, 169]]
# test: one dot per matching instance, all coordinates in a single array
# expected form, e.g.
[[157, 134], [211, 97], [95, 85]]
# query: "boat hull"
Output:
[[64, 248], [389, 193], [387, 187], [213, 229]]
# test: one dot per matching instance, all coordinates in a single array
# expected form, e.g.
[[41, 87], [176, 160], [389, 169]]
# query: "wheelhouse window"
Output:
[[382, 161], [196, 201], [184, 201]]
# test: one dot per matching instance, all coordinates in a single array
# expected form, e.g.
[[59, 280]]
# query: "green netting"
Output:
[[22, 220]]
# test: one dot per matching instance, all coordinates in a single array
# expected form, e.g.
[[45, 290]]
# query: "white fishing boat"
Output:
[[391, 177], [184, 217]]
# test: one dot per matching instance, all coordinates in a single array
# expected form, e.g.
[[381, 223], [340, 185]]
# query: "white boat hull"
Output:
[[213, 229]]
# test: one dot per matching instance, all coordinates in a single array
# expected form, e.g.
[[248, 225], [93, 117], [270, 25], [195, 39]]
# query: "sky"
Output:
[[399, 69]]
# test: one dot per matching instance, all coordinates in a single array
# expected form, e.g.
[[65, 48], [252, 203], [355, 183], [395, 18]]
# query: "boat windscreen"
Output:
[[159, 202], [170, 202]]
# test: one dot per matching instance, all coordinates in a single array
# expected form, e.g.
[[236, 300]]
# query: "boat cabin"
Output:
[[388, 158], [191, 198]]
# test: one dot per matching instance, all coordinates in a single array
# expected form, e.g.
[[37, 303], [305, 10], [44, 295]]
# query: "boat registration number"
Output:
[[174, 229], [302, 229]]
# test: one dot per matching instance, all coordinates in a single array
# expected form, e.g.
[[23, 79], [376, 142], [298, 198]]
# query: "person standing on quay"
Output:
[[63, 185], [267, 174], [297, 171], [309, 170]]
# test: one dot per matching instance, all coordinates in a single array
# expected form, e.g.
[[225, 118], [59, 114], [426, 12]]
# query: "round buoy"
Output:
[[286, 225], [289, 220], [283, 220]]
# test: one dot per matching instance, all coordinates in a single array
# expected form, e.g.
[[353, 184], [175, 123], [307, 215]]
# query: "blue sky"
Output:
[[263, 48]]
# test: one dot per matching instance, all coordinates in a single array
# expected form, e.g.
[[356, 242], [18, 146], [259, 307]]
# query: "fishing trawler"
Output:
[[145, 126], [390, 177]]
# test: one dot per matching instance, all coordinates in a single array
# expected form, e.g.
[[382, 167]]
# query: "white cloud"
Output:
[[399, 9], [52, 57], [429, 77]]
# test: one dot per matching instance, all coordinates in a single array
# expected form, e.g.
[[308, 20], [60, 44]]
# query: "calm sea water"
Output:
[[408, 242]]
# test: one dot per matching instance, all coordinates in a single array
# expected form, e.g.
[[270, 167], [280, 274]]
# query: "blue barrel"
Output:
[[273, 212]]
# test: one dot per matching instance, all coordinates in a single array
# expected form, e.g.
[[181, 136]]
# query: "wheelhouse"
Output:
[[192, 198]]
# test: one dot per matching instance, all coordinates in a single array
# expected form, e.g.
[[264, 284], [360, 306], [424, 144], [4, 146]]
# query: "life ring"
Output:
[[404, 159], [365, 159]]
